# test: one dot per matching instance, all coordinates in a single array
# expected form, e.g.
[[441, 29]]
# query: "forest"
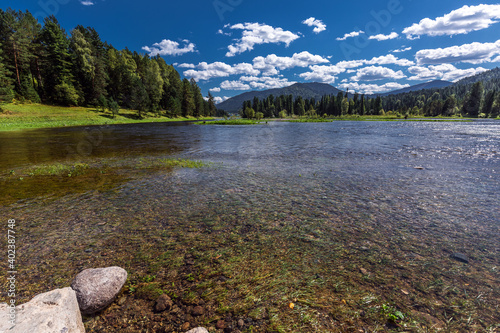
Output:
[[43, 64], [475, 97]]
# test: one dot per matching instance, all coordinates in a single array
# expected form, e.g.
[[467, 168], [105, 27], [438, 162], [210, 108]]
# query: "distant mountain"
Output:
[[306, 90], [436, 84]]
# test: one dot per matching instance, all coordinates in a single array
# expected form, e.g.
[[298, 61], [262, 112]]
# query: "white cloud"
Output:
[[266, 82], [268, 65], [388, 60], [218, 99], [256, 34], [326, 74], [216, 89], [474, 53], [460, 21], [317, 24], [351, 34], [234, 85], [171, 48], [221, 32], [382, 37], [372, 88], [351, 63], [382, 60], [445, 72], [374, 73], [254, 82], [87, 2], [205, 71], [184, 65], [403, 49]]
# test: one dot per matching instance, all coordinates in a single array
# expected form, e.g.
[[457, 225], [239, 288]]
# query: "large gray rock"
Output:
[[198, 330], [96, 288], [51, 312]]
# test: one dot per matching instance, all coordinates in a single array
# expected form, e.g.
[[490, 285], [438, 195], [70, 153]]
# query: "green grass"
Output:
[[231, 122], [311, 120], [31, 116], [59, 179]]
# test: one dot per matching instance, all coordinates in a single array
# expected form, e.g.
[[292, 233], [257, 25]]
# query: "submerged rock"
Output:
[[96, 288], [198, 330], [54, 311], [163, 303], [460, 257]]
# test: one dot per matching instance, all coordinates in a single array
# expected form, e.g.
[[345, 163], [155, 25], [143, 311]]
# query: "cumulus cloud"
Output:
[[445, 72], [266, 82], [87, 2], [184, 65], [234, 85], [460, 21], [372, 88], [270, 64], [256, 34], [374, 73], [403, 49], [205, 71], [389, 59], [382, 37], [216, 89], [474, 53], [255, 82], [170, 48], [317, 24], [326, 74], [351, 34], [218, 99]]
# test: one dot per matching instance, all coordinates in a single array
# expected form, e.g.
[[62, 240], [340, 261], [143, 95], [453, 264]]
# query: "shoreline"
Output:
[[17, 117]]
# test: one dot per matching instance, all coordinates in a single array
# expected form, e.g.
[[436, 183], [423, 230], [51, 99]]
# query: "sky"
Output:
[[233, 46]]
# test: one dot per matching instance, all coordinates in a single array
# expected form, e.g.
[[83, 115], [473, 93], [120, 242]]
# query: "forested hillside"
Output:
[[41, 63], [477, 96]]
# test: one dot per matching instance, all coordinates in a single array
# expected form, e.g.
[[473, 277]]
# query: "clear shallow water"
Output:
[[340, 185], [460, 161]]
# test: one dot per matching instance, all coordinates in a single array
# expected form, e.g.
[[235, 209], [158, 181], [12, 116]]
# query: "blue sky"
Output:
[[233, 46]]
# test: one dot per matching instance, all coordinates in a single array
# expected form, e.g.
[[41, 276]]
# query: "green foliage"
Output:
[[249, 113], [65, 94], [43, 64], [392, 314], [472, 104], [259, 116], [113, 107]]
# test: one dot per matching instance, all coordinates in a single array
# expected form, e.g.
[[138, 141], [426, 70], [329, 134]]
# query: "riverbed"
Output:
[[293, 227]]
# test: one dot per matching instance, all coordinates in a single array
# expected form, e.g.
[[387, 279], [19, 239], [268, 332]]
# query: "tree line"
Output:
[[43, 64], [472, 97]]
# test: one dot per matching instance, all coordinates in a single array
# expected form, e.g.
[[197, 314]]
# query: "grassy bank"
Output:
[[232, 122], [30, 116], [331, 119]]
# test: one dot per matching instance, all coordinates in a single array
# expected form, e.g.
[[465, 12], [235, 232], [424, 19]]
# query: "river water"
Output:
[[417, 187]]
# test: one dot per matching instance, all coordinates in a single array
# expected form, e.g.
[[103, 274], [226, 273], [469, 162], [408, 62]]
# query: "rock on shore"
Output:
[[54, 311], [96, 288]]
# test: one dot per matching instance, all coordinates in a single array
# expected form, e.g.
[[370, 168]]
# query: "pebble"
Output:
[[221, 324], [163, 303], [185, 326], [460, 257], [241, 323], [198, 311]]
